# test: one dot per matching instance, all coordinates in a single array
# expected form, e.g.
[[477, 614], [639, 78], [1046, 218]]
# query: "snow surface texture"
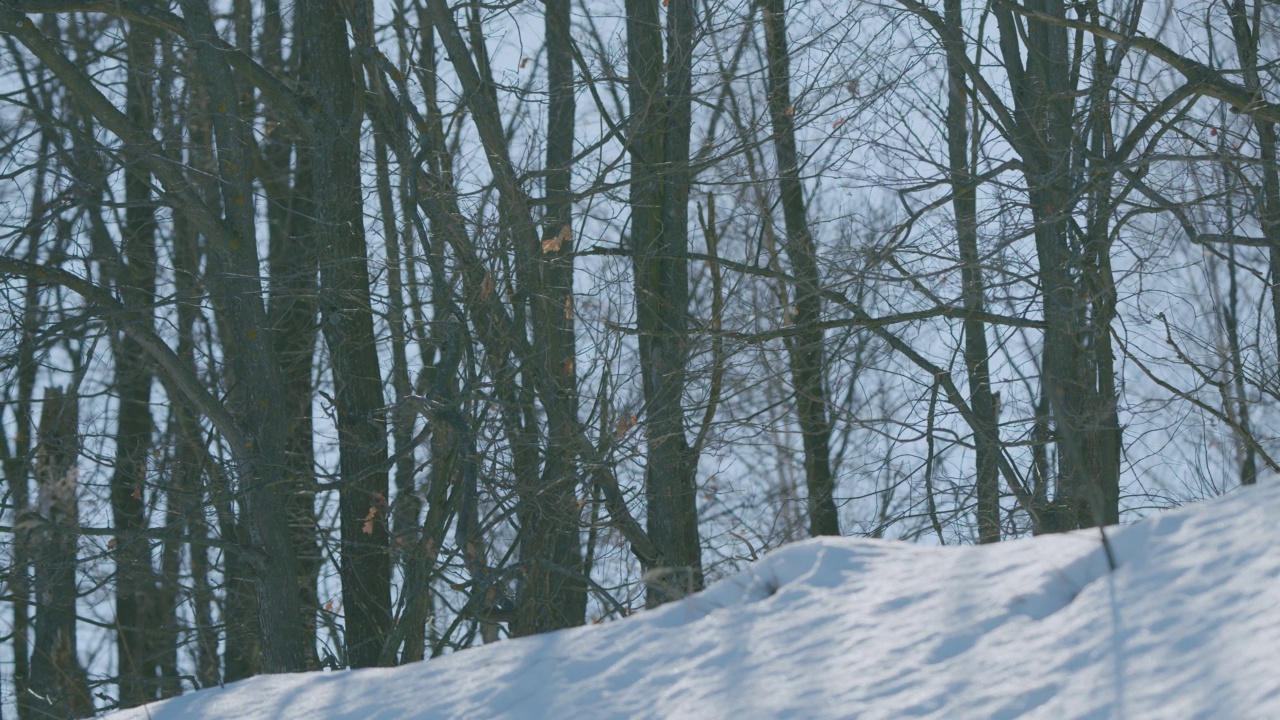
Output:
[[1188, 626]]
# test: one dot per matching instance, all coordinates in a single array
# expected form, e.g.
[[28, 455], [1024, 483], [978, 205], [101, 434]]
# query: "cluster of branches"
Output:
[[342, 334]]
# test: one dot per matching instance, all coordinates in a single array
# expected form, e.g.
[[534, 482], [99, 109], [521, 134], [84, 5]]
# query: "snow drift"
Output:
[[1187, 626]]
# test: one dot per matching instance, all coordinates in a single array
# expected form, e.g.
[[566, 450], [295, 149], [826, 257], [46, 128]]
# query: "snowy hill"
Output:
[[1187, 627]]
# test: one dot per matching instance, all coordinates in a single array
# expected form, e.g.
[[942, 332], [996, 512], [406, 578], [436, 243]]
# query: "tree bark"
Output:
[[347, 317], [16, 461], [1246, 30], [1078, 383], [807, 350], [136, 597], [976, 355], [254, 370], [242, 654], [57, 679], [658, 143], [549, 598], [292, 314]]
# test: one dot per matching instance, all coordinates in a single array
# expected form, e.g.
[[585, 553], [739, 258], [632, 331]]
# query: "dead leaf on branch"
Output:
[[625, 423], [554, 244]]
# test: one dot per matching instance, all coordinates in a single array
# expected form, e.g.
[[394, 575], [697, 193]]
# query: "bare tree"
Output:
[[620, 304], [660, 99], [58, 681], [808, 365]]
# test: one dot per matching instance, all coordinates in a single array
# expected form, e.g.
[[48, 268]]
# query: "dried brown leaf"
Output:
[[625, 423], [553, 244]]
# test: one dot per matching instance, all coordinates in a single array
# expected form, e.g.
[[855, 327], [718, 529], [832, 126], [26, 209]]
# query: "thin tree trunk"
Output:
[[170, 631], [347, 312], [452, 468], [1230, 317], [976, 355], [549, 598], [135, 622], [242, 654], [418, 546], [658, 142], [292, 311], [254, 370], [406, 531], [58, 681], [166, 634], [1246, 30], [189, 453], [17, 459], [806, 351]]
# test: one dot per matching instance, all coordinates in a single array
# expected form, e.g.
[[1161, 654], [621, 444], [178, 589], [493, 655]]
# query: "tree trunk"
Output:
[[1247, 33], [406, 531], [806, 351], [189, 453], [976, 355], [550, 597], [254, 370], [658, 142], [1078, 382], [347, 312], [17, 458], [552, 594], [242, 655], [135, 626], [292, 313], [58, 681]]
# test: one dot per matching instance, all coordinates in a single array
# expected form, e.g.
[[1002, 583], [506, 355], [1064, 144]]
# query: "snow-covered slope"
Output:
[[1187, 627]]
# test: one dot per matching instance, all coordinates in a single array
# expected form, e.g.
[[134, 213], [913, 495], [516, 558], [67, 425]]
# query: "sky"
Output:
[[1184, 627]]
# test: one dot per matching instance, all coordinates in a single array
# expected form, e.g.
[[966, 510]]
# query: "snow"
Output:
[[1188, 626]]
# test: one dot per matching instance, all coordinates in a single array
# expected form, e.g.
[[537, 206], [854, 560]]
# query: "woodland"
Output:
[[344, 333]]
